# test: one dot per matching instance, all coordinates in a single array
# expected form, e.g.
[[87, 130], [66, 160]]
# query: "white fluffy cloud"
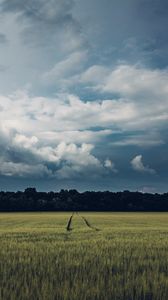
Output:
[[70, 113], [48, 161], [23, 154], [145, 91], [137, 165], [65, 112], [133, 80], [142, 94], [110, 165]]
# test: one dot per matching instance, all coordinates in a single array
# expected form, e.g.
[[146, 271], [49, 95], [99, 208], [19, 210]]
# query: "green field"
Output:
[[105, 256]]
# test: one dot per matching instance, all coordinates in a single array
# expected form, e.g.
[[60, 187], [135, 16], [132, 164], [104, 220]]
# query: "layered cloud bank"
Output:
[[58, 136]]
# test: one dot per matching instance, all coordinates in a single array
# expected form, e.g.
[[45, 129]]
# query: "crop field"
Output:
[[84, 256]]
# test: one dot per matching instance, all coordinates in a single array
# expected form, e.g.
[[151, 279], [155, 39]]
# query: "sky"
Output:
[[84, 95]]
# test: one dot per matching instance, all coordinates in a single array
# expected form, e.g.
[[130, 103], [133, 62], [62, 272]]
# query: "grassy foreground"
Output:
[[103, 256]]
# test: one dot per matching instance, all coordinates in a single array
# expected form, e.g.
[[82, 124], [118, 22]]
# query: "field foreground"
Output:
[[91, 256]]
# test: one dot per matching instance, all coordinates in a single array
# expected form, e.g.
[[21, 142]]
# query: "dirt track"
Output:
[[86, 222]]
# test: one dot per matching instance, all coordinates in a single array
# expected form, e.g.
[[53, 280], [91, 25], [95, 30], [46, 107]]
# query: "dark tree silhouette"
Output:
[[72, 200]]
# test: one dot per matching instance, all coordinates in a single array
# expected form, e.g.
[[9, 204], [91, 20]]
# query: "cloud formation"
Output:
[[137, 165], [63, 73], [147, 139], [44, 133], [64, 131], [39, 10], [46, 24], [110, 165]]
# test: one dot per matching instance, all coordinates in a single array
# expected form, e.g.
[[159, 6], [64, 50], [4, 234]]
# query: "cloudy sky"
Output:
[[84, 94]]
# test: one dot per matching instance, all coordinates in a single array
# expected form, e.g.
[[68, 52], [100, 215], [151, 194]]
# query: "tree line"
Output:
[[72, 200]]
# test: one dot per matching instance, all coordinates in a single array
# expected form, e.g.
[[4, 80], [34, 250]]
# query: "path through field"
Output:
[[69, 225], [86, 222]]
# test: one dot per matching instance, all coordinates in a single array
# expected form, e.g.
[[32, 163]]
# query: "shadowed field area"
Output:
[[85, 256]]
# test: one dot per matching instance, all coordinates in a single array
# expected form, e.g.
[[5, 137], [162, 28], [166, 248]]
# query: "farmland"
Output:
[[85, 256]]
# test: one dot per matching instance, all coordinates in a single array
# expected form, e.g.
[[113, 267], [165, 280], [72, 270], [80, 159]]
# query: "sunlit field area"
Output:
[[85, 256]]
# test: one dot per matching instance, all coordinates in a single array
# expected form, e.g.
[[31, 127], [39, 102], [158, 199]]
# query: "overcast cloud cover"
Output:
[[84, 94]]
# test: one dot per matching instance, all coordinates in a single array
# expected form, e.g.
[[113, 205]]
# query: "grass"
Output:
[[105, 256]]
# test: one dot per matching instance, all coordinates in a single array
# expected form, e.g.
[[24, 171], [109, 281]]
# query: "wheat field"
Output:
[[83, 256]]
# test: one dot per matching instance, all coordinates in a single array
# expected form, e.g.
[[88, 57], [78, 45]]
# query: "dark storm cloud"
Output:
[[154, 8], [113, 24], [42, 20], [49, 12]]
